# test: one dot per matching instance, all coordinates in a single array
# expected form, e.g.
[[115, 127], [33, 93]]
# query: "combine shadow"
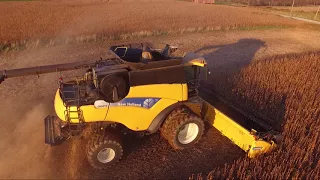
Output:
[[229, 58], [225, 62]]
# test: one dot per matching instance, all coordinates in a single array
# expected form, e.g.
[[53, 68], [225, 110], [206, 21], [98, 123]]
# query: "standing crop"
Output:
[[285, 88]]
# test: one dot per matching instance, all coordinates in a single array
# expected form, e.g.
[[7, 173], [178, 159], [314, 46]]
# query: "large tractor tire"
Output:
[[105, 150], [182, 128]]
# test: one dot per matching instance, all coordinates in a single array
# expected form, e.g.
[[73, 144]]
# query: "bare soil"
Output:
[[26, 101], [59, 18]]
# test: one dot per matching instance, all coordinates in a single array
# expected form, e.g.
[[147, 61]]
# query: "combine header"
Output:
[[144, 88]]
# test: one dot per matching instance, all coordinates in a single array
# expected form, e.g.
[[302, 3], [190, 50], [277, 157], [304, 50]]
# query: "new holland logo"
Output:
[[137, 102], [148, 103]]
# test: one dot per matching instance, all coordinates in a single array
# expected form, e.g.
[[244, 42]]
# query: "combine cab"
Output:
[[144, 88], [143, 52]]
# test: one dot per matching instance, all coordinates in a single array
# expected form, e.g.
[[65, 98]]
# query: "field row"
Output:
[[285, 88], [57, 19]]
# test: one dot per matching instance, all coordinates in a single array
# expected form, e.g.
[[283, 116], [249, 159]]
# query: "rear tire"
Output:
[[182, 128], [104, 151]]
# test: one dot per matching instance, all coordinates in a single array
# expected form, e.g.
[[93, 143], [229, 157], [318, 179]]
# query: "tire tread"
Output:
[[176, 119], [96, 142]]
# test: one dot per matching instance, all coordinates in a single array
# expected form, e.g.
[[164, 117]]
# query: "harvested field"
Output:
[[302, 12], [284, 87], [122, 19]]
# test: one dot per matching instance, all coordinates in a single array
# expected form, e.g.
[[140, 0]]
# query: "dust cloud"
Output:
[[23, 151], [24, 103]]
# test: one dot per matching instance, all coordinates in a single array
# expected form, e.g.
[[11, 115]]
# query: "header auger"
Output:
[[143, 88]]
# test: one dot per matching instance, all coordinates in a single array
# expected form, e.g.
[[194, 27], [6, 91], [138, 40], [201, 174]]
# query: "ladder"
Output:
[[73, 113]]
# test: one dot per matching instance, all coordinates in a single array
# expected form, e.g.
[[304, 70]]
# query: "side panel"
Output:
[[90, 113], [144, 103], [236, 133], [137, 113]]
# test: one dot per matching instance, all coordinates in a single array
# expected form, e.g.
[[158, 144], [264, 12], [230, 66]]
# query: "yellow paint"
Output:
[[90, 113], [232, 130], [197, 62], [260, 147], [146, 55], [236, 133], [201, 64], [135, 118]]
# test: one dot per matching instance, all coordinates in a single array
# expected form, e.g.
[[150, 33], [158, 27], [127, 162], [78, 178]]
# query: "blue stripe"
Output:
[[137, 102]]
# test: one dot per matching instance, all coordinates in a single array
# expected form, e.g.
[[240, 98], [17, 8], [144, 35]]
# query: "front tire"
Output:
[[104, 151], [182, 128]]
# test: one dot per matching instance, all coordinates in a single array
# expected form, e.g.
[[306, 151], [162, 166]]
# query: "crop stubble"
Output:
[[62, 18]]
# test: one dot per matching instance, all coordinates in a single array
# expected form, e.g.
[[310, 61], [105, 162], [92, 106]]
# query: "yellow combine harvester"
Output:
[[144, 88]]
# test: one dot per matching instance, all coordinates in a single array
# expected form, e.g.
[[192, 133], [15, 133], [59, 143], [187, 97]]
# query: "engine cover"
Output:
[[113, 85]]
